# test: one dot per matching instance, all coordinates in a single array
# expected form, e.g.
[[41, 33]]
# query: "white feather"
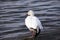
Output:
[[33, 22]]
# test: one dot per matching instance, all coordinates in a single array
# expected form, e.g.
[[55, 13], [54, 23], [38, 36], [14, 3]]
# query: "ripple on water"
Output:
[[12, 15]]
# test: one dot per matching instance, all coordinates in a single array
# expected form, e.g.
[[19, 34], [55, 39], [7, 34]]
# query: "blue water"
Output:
[[12, 15]]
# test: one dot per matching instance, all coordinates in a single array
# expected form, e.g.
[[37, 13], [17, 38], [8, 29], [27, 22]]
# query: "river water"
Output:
[[12, 15]]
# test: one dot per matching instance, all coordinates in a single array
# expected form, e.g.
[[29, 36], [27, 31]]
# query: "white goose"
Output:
[[33, 23]]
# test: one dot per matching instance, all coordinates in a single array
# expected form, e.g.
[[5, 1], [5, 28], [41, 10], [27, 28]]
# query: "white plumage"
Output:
[[32, 21]]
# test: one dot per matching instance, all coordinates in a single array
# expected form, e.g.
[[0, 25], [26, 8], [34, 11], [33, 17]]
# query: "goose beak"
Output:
[[26, 14]]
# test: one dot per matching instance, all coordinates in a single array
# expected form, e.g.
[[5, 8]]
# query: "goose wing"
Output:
[[39, 23]]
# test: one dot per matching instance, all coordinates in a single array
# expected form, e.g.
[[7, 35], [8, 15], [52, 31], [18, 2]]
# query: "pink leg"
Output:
[[33, 33]]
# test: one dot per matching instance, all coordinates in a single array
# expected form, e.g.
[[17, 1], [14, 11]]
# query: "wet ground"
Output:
[[12, 15]]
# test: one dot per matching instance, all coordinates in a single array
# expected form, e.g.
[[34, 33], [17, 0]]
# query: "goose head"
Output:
[[30, 13]]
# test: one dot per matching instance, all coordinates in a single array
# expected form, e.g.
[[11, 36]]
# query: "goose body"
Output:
[[33, 23]]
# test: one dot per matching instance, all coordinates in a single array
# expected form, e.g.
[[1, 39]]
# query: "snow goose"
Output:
[[33, 23]]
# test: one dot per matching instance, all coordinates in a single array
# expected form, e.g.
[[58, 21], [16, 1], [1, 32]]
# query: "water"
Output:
[[12, 15]]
